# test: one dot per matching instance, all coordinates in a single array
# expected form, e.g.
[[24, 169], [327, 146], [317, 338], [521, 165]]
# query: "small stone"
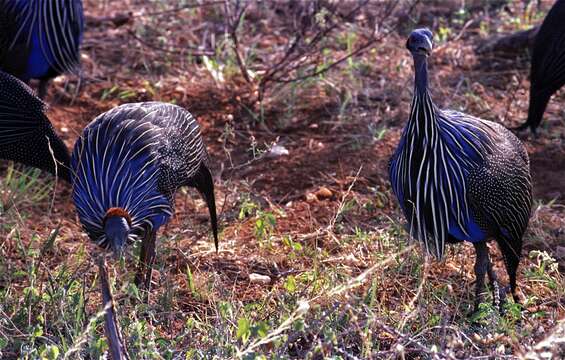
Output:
[[255, 278], [310, 197], [323, 193], [303, 307], [277, 150]]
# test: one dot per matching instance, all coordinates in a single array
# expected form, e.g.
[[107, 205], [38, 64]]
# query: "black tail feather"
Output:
[[538, 104], [26, 135], [204, 183]]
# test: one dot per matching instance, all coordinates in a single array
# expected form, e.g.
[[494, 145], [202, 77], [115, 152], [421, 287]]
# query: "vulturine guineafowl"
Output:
[[547, 74], [460, 178], [127, 165], [40, 39], [26, 135]]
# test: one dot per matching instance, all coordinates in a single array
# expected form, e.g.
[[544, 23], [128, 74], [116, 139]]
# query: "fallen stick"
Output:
[[111, 328], [116, 20]]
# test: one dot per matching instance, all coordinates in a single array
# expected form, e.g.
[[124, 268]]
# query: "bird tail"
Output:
[[26, 135], [538, 104], [205, 185]]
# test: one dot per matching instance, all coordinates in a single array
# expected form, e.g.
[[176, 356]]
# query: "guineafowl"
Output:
[[460, 178]]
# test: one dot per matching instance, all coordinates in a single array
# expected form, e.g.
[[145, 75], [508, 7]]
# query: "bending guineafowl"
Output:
[[547, 74], [460, 178], [40, 39], [128, 163], [26, 135]]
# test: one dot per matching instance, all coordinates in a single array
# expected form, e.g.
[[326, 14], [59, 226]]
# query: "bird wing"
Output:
[[182, 153], [21, 112], [181, 148], [500, 191]]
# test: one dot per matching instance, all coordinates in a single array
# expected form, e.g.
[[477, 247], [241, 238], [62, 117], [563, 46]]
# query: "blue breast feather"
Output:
[[115, 165], [51, 45], [462, 141]]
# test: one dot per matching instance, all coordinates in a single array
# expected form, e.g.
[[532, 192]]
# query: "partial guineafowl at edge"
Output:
[[26, 135], [40, 39], [460, 178], [547, 74]]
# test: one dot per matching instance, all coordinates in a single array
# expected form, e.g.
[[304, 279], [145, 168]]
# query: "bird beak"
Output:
[[211, 203], [118, 250], [426, 48]]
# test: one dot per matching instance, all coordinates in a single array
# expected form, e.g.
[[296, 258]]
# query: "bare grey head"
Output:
[[117, 227], [420, 42]]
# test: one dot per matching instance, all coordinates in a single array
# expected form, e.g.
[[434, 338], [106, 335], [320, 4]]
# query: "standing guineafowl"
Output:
[[547, 74], [40, 39], [460, 178], [127, 166], [26, 135]]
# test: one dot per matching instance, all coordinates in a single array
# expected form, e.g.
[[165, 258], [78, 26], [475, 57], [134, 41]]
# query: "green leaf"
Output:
[[262, 329], [51, 352], [243, 329], [290, 284]]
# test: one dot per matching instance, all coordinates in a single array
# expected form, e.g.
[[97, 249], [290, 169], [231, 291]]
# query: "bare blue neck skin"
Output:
[[421, 73], [117, 231]]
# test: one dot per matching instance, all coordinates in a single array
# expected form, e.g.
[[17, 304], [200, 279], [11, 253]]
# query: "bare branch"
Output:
[[234, 21], [194, 52]]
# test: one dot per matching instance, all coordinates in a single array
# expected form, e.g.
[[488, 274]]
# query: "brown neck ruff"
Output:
[[115, 211]]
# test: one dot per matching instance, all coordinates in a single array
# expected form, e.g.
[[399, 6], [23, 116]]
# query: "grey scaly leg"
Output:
[[146, 260], [497, 293], [481, 268]]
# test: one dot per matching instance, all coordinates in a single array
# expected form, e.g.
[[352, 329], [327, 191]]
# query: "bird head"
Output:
[[117, 226], [420, 42]]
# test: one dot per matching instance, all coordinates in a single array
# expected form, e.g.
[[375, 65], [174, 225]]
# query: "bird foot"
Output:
[[498, 298]]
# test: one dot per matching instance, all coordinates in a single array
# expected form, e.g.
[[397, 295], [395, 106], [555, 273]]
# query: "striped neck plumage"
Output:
[[423, 111]]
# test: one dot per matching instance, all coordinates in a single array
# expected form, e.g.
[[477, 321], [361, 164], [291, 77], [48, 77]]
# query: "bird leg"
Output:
[[511, 260], [481, 268], [146, 259], [498, 294]]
